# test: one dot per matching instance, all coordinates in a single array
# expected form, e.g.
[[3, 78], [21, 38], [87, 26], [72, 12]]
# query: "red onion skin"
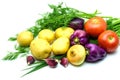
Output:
[[77, 23]]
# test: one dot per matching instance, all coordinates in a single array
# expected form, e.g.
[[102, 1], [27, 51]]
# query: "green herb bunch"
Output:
[[61, 16]]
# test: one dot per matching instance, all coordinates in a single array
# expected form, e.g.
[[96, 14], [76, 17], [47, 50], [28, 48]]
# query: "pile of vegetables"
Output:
[[99, 35]]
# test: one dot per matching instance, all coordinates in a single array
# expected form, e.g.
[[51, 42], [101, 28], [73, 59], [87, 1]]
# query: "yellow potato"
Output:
[[47, 34], [60, 45], [24, 38], [63, 32], [40, 48]]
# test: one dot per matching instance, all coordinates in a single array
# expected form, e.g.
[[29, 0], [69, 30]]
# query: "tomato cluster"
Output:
[[96, 27]]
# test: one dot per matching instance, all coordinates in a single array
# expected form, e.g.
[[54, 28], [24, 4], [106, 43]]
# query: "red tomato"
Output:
[[119, 40], [95, 26], [108, 40]]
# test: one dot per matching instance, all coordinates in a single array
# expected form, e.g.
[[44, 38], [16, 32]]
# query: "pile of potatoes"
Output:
[[47, 42]]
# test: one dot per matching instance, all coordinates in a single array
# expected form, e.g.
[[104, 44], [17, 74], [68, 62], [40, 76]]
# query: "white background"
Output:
[[17, 15]]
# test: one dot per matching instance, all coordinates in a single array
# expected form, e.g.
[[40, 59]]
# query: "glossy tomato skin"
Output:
[[108, 40], [95, 26], [119, 40]]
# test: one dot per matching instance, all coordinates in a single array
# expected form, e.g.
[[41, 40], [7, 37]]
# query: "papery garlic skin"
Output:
[[64, 62], [51, 62]]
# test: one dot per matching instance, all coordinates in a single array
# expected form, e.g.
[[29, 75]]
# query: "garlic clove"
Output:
[[64, 62], [51, 62], [30, 60]]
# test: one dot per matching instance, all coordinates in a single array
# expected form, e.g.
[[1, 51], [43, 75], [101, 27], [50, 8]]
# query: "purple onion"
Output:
[[95, 53], [79, 37], [77, 23]]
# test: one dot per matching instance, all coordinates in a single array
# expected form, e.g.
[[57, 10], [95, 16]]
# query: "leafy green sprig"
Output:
[[35, 30], [20, 51], [12, 38], [114, 24]]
